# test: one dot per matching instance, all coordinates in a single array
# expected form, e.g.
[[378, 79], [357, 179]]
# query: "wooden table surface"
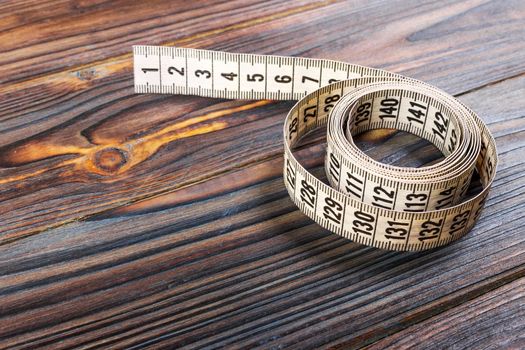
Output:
[[130, 221]]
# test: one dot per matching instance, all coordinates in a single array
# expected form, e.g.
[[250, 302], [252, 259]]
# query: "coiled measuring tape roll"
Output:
[[375, 204]]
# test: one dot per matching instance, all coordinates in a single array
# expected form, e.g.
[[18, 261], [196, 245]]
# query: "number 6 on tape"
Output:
[[375, 204]]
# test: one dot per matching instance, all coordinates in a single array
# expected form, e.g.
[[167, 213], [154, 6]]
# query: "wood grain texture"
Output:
[[148, 221], [496, 316]]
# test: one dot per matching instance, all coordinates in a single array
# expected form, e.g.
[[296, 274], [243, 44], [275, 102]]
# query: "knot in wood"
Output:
[[110, 159]]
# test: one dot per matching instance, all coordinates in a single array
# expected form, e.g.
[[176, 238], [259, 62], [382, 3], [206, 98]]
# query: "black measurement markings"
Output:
[[308, 194], [363, 223], [334, 168], [333, 210], [430, 229], [383, 196], [389, 108], [397, 230], [293, 127], [290, 174], [329, 102], [446, 198], [363, 113], [354, 185], [459, 222], [418, 113], [186, 66], [309, 112], [146, 70], [453, 140], [441, 124], [416, 202]]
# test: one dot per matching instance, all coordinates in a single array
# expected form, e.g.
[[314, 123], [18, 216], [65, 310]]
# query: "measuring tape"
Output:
[[375, 204]]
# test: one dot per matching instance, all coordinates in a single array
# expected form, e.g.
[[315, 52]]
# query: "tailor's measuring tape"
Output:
[[375, 204]]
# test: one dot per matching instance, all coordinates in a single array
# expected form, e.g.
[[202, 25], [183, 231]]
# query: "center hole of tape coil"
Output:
[[398, 148], [391, 129]]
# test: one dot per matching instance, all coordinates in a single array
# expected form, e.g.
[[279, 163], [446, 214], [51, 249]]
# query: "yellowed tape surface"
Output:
[[375, 204]]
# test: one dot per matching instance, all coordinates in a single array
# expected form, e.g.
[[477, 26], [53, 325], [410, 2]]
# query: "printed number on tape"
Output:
[[375, 204]]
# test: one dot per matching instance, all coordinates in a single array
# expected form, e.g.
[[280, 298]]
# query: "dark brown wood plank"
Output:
[[54, 36], [64, 129], [494, 318], [247, 269], [122, 227]]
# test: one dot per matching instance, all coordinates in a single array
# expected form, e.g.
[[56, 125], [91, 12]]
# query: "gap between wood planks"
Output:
[[202, 179], [437, 307], [122, 63], [12, 85]]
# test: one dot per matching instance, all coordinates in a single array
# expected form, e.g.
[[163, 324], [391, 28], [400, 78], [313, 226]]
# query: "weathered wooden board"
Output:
[[493, 318], [132, 220], [65, 127]]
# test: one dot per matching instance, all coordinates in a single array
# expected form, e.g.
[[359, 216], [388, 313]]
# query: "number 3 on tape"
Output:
[[369, 202]]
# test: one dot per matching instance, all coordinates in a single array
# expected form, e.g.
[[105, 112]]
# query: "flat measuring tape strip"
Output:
[[375, 204]]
